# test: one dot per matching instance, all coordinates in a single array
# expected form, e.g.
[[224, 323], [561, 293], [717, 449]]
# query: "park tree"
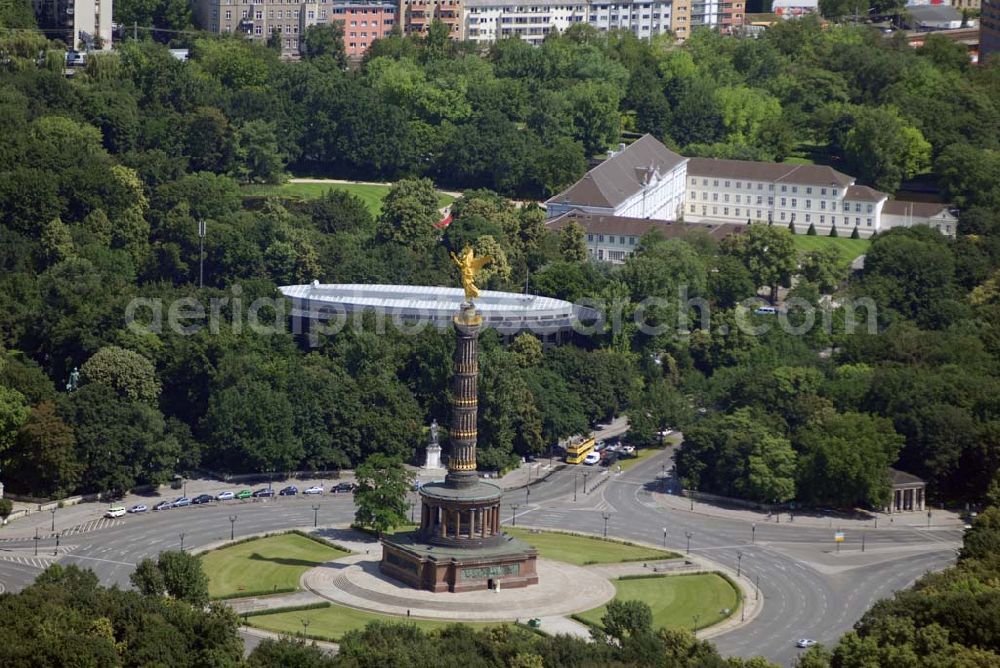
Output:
[[738, 455], [627, 619], [126, 372], [768, 253], [380, 495], [175, 574], [825, 268], [325, 40], [289, 653], [6, 508], [409, 213], [883, 149], [43, 461], [14, 411], [573, 242], [844, 460], [340, 211]]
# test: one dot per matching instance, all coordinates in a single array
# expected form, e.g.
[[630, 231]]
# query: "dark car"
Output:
[[291, 490], [264, 492], [344, 487], [164, 505], [202, 498]]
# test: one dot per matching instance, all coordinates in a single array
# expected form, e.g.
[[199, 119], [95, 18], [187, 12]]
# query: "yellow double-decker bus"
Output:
[[578, 449]]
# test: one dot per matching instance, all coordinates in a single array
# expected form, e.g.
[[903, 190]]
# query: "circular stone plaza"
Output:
[[329, 306]]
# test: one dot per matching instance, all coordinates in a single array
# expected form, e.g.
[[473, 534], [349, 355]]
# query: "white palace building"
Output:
[[646, 180]]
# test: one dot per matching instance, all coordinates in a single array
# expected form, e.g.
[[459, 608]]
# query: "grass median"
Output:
[[586, 550], [264, 565], [849, 248], [691, 601], [331, 623]]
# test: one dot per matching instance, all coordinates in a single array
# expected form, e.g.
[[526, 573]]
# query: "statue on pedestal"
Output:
[[433, 456]]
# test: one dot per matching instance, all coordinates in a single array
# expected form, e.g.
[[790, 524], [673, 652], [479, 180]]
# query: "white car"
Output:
[[805, 642], [592, 458], [666, 432], [138, 508], [315, 489], [628, 449], [115, 512], [225, 496]]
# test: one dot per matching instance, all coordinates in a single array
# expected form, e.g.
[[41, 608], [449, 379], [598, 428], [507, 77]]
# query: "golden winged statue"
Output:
[[469, 265]]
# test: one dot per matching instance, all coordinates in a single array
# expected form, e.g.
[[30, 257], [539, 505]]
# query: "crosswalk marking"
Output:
[[40, 562]]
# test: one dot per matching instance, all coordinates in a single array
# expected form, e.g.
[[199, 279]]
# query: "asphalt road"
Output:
[[808, 591]]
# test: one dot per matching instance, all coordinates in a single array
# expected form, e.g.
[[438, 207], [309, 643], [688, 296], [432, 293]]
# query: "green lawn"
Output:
[[371, 195], [642, 454], [333, 622], [677, 600], [584, 550], [849, 248], [264, 564]]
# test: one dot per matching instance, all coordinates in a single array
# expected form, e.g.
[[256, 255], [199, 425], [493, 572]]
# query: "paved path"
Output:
[[452, 193]]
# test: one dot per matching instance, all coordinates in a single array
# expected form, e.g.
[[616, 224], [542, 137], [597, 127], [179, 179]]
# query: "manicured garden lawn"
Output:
[[371, 195], [264, 564], [333, 622], [676, 600], [584, 550], [849, 248]]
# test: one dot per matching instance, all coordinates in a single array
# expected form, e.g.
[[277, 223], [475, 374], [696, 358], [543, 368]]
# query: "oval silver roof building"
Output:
[[411, 306]]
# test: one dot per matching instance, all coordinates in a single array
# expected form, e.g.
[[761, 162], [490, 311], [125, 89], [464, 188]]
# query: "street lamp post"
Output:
[[663, 476], [232, 526], [36, 541], [305, 627], [688, 534], [513, 513], [55, 550], [182, 541], [691, 497], [315, 510], [743, 607], [585, 482], [201, 253], [753, 534], [756, 593], [928, 519], [606, 517], [184, 485], [696, 618], [53, 511], [664, 536], [739, 564], [411, 511], [862, 542], [527, 495], [575, 479]]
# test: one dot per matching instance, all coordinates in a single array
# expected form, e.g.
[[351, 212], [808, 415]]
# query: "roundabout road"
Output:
[[808, 590]]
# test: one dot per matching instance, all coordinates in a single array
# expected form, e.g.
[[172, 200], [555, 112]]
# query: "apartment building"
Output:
[[364, 20], [989, 30], [83, 25], [726, 16], [643, 180], [532, 20], [416, 16]]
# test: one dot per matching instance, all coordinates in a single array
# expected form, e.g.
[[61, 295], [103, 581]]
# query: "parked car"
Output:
[[115, 511], [600, 446], [592, 458], [202, 498], [263, 491], [344, 487], [609, 458], [225, 496], [138, 508], [75, 59], [181, 501], [627, 450], [665, 433], [805, 642], [291, 490], [244, 494], [315, 489], [164, 505]]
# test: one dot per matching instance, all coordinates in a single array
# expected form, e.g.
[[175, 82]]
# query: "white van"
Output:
[[115, 511], [765, 310]]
